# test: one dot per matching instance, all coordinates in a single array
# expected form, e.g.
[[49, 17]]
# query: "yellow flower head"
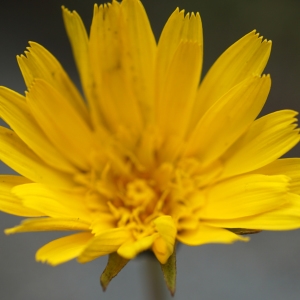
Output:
[[150, 157]]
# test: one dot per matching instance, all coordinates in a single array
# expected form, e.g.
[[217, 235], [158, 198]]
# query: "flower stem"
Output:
[[155, 289]]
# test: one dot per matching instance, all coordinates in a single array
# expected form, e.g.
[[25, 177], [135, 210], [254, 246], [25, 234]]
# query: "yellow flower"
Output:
[[150, 157]]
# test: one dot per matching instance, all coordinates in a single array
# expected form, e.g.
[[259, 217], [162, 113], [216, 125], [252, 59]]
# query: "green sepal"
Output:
[[114, 265], [242, 231], [169, 271]]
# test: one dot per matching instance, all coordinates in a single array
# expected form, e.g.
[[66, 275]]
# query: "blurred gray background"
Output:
[[268, 267]]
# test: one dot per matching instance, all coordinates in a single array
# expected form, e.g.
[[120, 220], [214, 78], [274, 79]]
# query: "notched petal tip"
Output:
[[66, 10], [69, 14], [191, 16], [188, 16], [32, 44], [179, 12], [261, 38], [266, 41], [28, 50]]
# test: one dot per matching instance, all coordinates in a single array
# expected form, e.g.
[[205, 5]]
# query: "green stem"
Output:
[[155, 289]]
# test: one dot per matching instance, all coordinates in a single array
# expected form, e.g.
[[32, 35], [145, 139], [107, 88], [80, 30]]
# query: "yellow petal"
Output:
[[16, 113], [246, 57], [139, 52], [118, 105], [105, 53], [267, 139], [176, 98], [286, 166], [104, 39], [177, 29], [115, 63], [286, 217], [63, 249], [178, 68], [131, 249], [49, 224], [79, 43], [245, 196], [43, 101], [163, 246], [11, 204], [105, 243], [228, 118], [53, 203], [40, 63], [16, 154], [205, 234]]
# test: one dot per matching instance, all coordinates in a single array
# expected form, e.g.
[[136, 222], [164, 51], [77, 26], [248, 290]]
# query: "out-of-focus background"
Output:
[[268, 267]]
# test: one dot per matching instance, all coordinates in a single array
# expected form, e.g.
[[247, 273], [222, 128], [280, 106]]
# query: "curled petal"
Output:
[[163, 246], [63, 249]]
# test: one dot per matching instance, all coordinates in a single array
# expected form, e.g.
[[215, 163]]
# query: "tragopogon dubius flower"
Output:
[[150, 157]]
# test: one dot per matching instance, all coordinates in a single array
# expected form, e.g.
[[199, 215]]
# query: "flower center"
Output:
[[131, 201], [138, 193], [123, 195]]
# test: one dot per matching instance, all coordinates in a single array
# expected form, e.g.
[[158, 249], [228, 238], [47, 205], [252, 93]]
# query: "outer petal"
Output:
[[177, 29], [23, 160], [267, 139], [205, 234], [53, 203], [105, 243], [245, 196], [39, 63], [79, 43], [16, 113], [49, 224], [43, 101], [286, 217], [178, 68], [246, 57], [228, 119], [11, 204], [63, 249]]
